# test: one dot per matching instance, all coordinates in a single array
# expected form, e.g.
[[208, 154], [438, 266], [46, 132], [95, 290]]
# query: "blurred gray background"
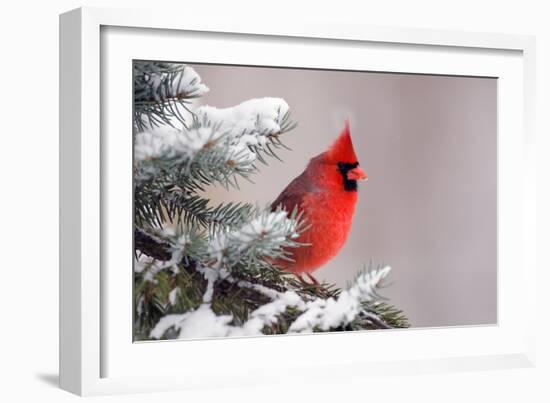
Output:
[[428, 144]]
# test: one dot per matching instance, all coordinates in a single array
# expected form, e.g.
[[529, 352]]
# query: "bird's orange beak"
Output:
[[357, 174]]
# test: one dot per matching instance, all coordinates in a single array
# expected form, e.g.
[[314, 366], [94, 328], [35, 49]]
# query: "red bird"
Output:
[[326, 194]]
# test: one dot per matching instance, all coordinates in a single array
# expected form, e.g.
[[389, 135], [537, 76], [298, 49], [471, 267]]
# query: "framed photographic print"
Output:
[[215, 205]]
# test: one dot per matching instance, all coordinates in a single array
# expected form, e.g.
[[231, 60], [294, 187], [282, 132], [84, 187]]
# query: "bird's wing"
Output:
[[293, 195]]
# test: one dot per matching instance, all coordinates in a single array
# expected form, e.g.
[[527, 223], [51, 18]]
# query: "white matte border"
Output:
[[413, 350], [121, 357]]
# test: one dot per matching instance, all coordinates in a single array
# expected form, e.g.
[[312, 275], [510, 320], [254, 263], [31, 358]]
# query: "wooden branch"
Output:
[[151, 245]]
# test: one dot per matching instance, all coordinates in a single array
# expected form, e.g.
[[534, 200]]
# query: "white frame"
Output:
[[80, 184]]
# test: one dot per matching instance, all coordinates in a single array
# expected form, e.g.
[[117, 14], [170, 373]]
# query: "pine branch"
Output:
[[172, 165], [208, 152], [162, 92], [151, 245], [175, 206], [206, 271], [275, 309]]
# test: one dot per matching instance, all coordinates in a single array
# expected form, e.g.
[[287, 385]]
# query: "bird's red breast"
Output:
[[326, 194]]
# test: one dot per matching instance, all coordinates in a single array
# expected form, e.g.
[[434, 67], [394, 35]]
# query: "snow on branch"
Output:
[[252, 121], [204, 323], [234, 131], [162, 92], [264, 236], [326, 314], [200, 323], [168, 143], [174, 81], [151, 266], [183, 83], [315, 313]]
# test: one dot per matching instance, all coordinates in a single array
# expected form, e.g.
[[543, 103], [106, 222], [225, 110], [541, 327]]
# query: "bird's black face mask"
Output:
[[350, 185]]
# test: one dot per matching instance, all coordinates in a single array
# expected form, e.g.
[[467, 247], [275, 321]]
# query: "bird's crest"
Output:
[[342, 149]]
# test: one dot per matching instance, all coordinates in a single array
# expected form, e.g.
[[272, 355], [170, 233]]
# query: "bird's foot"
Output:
[[313, 284], [313, 279]]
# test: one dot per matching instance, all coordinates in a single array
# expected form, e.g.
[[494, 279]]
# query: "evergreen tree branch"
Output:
[[207, 271], [172, 165], [162, 92], [279, 311], [151, 245]]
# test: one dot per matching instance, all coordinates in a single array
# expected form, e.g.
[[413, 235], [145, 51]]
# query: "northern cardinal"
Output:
[[326, 194]]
